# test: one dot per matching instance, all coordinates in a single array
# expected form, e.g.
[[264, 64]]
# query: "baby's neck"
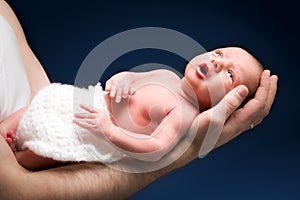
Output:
[[188, 93]]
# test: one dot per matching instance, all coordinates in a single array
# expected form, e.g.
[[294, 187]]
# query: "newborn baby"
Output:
[[144, 116]]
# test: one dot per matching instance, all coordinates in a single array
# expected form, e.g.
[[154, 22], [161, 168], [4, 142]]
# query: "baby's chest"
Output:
[[146, 108], [151, 97]]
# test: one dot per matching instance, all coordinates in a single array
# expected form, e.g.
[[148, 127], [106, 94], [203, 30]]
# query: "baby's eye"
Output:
[[229, 73], [218, 54]]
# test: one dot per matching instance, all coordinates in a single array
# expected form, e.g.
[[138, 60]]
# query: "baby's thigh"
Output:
[[31, 161]]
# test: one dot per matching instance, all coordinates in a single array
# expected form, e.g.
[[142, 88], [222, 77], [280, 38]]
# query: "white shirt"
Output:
[[14, 86]]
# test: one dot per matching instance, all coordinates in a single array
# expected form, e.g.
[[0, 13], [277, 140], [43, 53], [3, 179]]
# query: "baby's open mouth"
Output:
[[202, 70]]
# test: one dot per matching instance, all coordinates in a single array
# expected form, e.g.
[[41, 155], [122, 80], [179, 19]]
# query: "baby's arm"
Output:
[[160, 142], [124, 83]]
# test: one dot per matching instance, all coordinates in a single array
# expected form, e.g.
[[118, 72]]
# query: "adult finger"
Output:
[[264, 87], [219, 114], [272, 92], [234, 99], [268, 102], [252, 110], [230, 102]]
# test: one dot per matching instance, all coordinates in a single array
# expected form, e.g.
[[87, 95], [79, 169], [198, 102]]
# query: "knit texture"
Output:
[[48, 130]]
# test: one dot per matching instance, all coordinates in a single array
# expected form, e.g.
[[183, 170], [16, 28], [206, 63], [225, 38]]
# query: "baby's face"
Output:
[[213, 74]]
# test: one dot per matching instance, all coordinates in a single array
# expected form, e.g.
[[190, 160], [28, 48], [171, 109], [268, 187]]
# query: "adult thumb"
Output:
[[234, 98], [220, 112]]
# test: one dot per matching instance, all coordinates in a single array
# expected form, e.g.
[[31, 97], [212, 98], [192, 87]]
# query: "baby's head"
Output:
[[213, 74]]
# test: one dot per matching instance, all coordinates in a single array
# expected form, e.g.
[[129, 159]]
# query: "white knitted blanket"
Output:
[[48, 130]]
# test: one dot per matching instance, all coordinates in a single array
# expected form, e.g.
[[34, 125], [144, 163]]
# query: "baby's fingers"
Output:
[[119, 94], [88, 108], [126, 90], [84, 116], [83, 124], [113, 91], [108, 85]]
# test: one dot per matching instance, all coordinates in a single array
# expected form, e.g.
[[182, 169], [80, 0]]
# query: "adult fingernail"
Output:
[[267, 71]]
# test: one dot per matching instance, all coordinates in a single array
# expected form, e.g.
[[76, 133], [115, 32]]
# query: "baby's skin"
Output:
[[11, 140]]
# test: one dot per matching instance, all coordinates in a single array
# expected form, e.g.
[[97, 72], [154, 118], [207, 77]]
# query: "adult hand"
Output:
[[237, 120], [253, 112]]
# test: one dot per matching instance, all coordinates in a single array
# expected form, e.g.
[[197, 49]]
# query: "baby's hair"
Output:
[[252, 94]]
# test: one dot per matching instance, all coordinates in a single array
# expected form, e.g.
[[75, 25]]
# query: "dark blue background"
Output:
[[263, 163]]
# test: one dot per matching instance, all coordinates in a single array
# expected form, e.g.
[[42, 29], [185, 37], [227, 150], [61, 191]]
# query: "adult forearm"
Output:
[[79, 181], [83, 181], [36, 75]]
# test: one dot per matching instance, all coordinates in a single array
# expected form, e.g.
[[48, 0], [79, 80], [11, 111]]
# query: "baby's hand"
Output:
[[96, 120], [120, 86]]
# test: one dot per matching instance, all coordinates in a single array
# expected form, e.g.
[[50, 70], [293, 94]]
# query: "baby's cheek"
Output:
[[228, 89]]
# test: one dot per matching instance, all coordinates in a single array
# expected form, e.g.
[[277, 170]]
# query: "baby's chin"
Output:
[[203, 106], [210, 100]]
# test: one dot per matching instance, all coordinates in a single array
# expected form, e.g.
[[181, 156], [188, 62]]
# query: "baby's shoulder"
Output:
[[169, 73]]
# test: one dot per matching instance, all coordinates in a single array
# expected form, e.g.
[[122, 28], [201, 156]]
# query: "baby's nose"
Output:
[[220, 64], [217, 64]]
